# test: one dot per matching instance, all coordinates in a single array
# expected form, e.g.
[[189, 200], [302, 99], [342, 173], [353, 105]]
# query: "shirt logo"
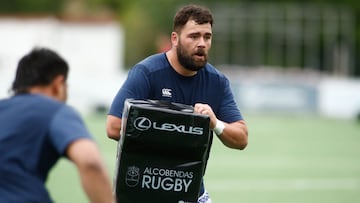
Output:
[[166, 92]]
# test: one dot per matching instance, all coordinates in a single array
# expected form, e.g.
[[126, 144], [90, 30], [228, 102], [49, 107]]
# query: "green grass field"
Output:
[[289, 159]]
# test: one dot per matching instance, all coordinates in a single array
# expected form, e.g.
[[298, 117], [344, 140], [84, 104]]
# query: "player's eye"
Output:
[[207, 37]]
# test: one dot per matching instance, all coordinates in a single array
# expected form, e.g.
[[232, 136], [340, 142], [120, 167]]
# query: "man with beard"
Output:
[[183, 75]]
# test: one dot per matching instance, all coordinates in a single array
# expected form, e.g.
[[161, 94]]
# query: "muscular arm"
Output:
[[113, 125], [94, 178], [234, 135]]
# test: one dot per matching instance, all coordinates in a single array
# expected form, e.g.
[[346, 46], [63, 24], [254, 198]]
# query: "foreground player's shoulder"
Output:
[[40, 102]]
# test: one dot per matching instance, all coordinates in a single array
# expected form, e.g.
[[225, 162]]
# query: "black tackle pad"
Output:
[[162, 153]]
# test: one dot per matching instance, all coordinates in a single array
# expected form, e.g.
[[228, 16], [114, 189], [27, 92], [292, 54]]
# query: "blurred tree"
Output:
[[144, 20], [30, 7], [141, 37]]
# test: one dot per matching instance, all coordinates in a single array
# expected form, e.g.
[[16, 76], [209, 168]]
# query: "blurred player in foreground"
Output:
[[37, 128], [183, 75]]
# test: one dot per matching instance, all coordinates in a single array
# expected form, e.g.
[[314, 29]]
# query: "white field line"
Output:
[[285, 184]]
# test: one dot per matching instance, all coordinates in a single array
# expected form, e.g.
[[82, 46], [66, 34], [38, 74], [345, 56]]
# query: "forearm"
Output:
[[94, 178], [113, 127], [113, 133], [234, 135], [95, 182]]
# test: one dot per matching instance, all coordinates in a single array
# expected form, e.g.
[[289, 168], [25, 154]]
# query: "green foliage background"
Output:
[[144, 20]]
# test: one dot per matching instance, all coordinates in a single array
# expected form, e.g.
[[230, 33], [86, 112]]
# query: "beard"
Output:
[[188, 61]]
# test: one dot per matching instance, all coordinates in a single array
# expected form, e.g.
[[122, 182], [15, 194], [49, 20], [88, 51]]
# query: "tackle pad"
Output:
[[162, 153]]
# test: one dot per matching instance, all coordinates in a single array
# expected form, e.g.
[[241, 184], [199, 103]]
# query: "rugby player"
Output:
[[183, 75]]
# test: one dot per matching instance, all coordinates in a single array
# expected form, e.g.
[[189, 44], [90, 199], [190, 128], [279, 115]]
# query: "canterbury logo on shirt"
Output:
[[166, 92]]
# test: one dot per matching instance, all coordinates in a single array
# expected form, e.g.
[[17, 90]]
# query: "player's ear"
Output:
[[174, 38], [58, 86]]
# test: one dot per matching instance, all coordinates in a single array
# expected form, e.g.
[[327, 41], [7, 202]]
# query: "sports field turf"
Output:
[[289, 159]]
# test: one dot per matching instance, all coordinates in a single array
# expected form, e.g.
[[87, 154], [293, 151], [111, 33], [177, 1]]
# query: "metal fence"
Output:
[[304, 36]]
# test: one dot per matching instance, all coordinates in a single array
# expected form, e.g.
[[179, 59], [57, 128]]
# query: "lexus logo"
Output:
[[142, 123]]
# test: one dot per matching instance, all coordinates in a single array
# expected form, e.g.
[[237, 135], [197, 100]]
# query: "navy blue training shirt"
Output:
[[35, 131], [154, 78]]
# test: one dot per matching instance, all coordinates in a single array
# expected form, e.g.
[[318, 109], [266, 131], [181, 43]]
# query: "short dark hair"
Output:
[[199, 14], [39, 67]]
